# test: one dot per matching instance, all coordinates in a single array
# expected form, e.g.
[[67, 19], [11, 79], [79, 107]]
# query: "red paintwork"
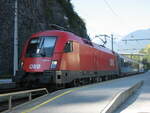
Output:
[[43, 62], [83, 57]]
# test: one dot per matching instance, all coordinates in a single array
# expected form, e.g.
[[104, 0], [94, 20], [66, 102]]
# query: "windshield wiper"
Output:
[[43, 54], [40, 47]]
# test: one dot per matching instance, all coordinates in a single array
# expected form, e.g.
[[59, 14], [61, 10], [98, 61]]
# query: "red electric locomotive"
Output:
[[60, 57]]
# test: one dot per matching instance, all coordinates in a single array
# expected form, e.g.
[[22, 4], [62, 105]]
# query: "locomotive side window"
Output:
[[48, 46], [32, 47], [41, 47], [68, 47]]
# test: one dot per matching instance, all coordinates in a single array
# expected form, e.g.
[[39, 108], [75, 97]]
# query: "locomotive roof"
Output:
[[48, 32], [73, 37]]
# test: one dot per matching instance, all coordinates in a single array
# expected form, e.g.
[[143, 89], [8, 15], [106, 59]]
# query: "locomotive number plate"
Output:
[[34, 66]]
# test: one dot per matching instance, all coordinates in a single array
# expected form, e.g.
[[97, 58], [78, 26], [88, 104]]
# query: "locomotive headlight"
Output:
[[21, 64], [53, 64]]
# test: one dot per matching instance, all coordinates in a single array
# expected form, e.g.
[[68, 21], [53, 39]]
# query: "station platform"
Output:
[[139, 102], [6, 84], [3, 81], [86, 99]]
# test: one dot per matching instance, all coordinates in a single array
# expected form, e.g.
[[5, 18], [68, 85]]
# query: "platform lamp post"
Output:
[[15, 58]]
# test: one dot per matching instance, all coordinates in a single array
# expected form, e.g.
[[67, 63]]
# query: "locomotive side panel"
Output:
[[108, 62], [104, 61], [71, 60], [97, 60], [86, 58]]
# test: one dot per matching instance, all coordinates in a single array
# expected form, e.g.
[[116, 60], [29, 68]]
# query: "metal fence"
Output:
[[10, 95]]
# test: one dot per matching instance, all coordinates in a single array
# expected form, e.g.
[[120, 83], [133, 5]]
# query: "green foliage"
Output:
[[77, 25], [67, 6], [74, 23], [146, 58], [48, 11]]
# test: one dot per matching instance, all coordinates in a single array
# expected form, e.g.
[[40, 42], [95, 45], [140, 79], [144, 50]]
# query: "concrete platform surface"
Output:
[[140, 102], [87, 99], [3, 81], [6, 84]]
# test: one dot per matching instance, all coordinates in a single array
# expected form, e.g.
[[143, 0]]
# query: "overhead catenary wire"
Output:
[[136, 39], [121, 19], [116, 14], [109, 6]]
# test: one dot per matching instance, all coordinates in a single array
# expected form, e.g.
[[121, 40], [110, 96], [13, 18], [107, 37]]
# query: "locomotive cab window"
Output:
[[41, 46], [68, 47]]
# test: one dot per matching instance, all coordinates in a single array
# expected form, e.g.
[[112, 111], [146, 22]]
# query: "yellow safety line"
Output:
[[58, 96]]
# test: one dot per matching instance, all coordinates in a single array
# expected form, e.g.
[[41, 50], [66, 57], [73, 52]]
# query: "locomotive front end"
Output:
[[39, 52], [38, 62]]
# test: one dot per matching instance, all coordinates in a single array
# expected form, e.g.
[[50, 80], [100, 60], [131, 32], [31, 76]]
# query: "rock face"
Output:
[[6, 36], [33, 16]]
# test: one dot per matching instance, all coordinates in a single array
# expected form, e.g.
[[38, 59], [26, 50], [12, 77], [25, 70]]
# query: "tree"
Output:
[[146, 59]]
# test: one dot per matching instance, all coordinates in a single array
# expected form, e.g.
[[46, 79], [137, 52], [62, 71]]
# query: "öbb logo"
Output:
[[34, 66]]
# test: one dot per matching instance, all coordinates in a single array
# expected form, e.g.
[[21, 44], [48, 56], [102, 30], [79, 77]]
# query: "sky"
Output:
[[118, 17]]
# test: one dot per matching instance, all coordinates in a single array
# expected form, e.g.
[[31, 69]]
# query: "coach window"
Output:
[[68, 47]]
